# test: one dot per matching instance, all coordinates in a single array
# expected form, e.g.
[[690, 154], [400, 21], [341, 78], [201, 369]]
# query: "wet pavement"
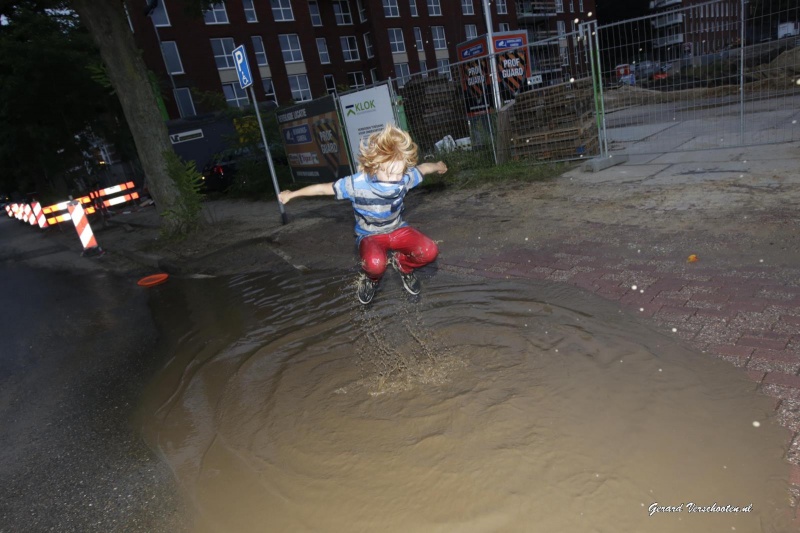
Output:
[[740, 302]]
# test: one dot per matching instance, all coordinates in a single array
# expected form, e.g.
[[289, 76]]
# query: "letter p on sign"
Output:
[[242, 67]]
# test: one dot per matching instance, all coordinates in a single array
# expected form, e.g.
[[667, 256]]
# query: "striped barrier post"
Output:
[[9, 210], [98, 195], [26, 212], [51, 212], [78, 215], [38, 215]]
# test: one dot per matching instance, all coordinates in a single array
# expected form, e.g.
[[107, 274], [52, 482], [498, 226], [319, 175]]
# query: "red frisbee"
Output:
[[152, 281]]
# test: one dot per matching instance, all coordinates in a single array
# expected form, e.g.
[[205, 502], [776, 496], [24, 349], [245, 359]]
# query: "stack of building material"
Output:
[[553, 123]]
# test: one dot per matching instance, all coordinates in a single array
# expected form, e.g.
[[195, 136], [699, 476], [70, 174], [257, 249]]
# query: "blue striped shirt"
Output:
[[377, 205]]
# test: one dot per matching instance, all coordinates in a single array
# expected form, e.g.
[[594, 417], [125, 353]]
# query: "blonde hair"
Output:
[[386, 146]]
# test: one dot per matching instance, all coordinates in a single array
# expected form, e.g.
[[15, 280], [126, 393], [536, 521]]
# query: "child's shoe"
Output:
[[410, 281], [366, 289]]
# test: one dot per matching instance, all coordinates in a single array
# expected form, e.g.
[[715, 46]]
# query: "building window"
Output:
[[403, 73], [390, 9], [439, 41], [341, 9], [471, 31], [423, 67], [172, 59], [159, 15], [418, 38], [373, 73], [505, 26], [562, 27], [258, 48], [571, 6], [362, 13], [216, 15], [564, 52], [313, 9], [502, 7], [330, 84], [580, 6], [269, 89], [412, 5], [322, 48], [559, 6], [434, 8], [223, 48], [290, 47], [249, 11], [183, 97], [356, 80], [282, 10], [396, 42], [443, 65], [301, 91], [467, 8], [368, 45], [235, 96], [349, 48]]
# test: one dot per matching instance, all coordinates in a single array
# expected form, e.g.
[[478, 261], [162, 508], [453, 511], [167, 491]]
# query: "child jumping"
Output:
[[387, 170]]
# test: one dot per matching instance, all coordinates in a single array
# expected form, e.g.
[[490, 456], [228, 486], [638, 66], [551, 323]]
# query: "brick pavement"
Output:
[[746, 315]]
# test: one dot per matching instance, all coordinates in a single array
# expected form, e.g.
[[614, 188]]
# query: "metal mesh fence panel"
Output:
[[700, 77]]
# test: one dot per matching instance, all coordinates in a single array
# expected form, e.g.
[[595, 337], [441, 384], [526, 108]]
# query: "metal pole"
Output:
[[269, 157], [490, 45], [741, 73], [602, 105]]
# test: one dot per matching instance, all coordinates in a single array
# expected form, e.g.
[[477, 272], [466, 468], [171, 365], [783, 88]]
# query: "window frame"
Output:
[[402, 79], [282, 10], [300, 89], [320, 51], [419, 41], [188, 92], [436, 38], [393, 43], [258, 42], [434, 5], [501, 3], [177, 56], [412, 5], [226, 54], [239, 95], [251, 9], [331, 90], [161, 13], [290, 50], [318, 16], [348, 52], [271, 93], [215, 10], [389, 7], [369, 48], [356, 73], [342, 16], [467, 5], [474, 32]]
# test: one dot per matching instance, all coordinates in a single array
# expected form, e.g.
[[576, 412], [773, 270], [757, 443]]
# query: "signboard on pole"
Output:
[[242, 67], [366, 112], [313, 141], [513, 69]]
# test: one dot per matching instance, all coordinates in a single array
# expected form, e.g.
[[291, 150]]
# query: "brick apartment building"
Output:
[[304, 49], [687, 28]]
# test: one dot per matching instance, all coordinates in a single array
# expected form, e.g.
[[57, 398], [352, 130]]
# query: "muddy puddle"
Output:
[[484, 406]]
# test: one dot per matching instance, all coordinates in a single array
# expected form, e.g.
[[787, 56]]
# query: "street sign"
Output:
[[242, 67]]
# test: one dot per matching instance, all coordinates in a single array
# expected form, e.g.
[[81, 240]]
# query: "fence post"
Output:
[[586, 30]]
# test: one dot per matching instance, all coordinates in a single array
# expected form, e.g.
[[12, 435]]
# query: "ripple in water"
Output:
[[491, 406]]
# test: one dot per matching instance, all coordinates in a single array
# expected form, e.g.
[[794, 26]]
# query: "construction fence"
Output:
[[714, 75]]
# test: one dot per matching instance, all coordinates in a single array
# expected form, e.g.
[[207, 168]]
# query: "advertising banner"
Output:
[[513, 63], [313, 141], [366, 112], [475, 75]]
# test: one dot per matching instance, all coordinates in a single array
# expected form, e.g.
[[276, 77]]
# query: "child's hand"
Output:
[[285, 196], [441, 167]]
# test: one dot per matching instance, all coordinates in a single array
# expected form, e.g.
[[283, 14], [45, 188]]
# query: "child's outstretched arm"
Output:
[[429, 168], [317, 189]]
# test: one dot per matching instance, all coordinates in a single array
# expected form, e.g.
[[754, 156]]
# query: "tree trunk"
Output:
[[106, 21]]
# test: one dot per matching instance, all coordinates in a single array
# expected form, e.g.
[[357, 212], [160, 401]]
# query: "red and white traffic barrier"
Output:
[[84, 229], [38, 215]]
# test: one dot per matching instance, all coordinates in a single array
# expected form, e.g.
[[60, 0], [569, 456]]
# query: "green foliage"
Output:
[[185, 214]]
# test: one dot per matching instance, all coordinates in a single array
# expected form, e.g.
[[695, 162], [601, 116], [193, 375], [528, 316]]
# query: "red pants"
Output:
[[412, 250]]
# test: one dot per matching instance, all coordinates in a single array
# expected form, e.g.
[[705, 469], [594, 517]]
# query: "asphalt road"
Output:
[[75, 352]]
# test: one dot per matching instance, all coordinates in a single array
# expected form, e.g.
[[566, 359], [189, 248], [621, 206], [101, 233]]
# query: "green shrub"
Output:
[[185, 214]]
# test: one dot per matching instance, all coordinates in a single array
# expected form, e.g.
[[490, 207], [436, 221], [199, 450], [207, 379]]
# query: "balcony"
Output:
[[659, 4], [667, 20], [668, 40], [535, 9]]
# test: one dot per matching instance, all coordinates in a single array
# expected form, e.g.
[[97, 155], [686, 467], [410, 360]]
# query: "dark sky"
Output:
[[614, 10]]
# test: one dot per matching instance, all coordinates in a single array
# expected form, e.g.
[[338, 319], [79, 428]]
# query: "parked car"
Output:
[[220, 172]]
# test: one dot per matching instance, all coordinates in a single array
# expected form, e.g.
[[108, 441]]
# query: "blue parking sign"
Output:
[[242, 67]]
